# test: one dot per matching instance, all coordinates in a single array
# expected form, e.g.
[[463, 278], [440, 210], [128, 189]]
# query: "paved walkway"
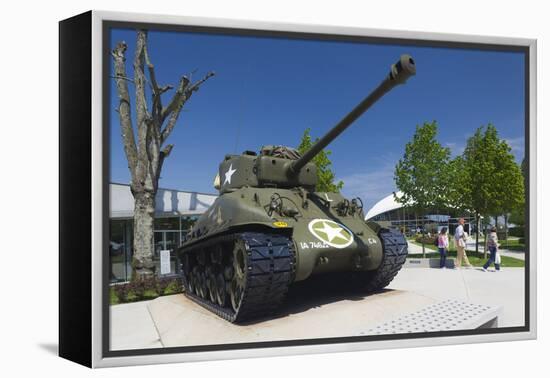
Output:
[[132, 327], [520, 255], [505, 288], [415, 249], [313, 310], [471, 246], [181, 322]]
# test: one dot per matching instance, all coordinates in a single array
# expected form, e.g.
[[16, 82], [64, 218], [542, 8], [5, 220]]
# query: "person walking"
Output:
[[443, 246], [492, 243], [460, 242]]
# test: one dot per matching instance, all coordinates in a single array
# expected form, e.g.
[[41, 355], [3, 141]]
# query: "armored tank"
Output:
[[270, 228]]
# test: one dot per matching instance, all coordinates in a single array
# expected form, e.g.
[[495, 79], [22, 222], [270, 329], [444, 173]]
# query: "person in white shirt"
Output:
[[460, 242]]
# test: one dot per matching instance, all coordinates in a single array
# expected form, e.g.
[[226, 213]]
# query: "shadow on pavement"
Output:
[[317, 291]]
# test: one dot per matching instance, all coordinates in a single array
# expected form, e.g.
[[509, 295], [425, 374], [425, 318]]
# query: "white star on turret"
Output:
[[228, 174]]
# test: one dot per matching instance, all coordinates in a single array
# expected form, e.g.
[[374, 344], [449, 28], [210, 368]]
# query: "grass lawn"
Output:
[[512, 245], [429, 247], [476, 259]]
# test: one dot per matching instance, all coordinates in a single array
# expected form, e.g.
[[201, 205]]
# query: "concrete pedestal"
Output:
[[181, 322]]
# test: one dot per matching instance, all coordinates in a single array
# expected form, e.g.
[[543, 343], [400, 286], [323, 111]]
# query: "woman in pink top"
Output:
[[443, 246]]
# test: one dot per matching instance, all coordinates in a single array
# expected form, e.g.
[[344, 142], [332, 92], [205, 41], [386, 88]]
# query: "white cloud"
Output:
[[517, 145], [456, 148], [370, 185]]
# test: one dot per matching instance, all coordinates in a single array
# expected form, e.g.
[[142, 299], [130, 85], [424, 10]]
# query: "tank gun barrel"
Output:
[[399, 73]]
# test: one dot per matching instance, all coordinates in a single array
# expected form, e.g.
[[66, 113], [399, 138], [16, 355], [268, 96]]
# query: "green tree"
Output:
[[455, 186], [494, 184], [422, 174], [524, 168], [512, 185], [325, 174], [517, 215], [479, 170]]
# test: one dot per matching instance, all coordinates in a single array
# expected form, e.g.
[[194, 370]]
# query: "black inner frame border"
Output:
[[106, 27]]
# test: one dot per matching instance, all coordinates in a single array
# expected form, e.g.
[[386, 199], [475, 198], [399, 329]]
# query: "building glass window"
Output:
[[166, 241], [169, 234], [167, 223], [188, 221], [120, 250]]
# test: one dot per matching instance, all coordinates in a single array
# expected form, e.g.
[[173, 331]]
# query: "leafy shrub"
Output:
[[161, 285], [121, 292], [501, 235], [431, 228], [174, 286], [138, 288], [430, 240], [517, 231], [150, 284], [147, 289]]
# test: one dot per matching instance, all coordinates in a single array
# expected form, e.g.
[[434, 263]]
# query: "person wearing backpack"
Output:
[[443, 246]]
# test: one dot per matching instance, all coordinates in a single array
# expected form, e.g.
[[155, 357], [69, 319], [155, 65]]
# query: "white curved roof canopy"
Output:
[[168, 202], [387, 203]]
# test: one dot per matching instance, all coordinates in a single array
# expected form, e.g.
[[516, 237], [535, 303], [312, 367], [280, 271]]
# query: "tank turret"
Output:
[[283, 167], [270, 228]]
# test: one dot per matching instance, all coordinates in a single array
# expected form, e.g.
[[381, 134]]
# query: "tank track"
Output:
[[395, 250], [252, 269]]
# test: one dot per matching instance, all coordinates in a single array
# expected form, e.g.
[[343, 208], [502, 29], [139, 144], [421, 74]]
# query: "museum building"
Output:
[[175, 213], [395, 214]]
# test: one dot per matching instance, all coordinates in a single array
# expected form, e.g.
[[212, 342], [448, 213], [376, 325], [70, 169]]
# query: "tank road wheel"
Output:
[[221, 291], [238, 283], [216, 255], [198, 283], [187, 280], [236, 293], [192, 281], [211, 284], [205, 289], [186, 270], [201, 285]]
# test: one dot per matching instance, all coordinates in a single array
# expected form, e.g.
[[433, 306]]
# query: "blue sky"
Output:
[[268, 90]]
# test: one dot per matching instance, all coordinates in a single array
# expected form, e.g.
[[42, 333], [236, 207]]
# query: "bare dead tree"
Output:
[[153, 127]]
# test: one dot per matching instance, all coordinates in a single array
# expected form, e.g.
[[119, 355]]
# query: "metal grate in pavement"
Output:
[[442, 316]]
